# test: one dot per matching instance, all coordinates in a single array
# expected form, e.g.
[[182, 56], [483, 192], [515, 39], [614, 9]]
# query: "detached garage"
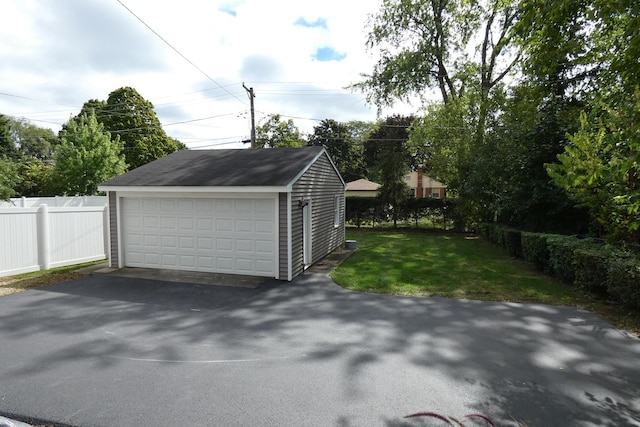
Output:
[[265, 212]]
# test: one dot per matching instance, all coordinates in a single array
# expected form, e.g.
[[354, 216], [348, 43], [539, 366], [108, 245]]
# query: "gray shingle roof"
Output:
[[219, 168]]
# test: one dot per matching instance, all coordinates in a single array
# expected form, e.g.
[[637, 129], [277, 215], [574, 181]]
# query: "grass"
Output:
[[36, 279], [457, 266]]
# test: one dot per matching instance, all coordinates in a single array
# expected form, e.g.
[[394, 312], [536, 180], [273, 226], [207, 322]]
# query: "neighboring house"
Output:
[[266, 212], [362, 188], [424, 186]]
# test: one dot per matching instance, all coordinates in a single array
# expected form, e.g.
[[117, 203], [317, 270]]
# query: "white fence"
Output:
[[45, 237], [57, 201]]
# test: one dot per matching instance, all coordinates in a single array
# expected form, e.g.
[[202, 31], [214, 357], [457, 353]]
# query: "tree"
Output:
[[275, 132], [589, 49], [7, 145], [341, 146], [425, 44], [9, 178], [599, 170], [34, 142], [86, 157], [35, 178], [390, 160], [132, 117]]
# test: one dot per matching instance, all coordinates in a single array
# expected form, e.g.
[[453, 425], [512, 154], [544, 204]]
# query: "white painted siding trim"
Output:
[[289, 238], [276, 248], [120, 232]]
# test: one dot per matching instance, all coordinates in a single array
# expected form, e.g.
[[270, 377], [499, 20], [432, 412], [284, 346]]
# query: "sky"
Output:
[[298, 56]]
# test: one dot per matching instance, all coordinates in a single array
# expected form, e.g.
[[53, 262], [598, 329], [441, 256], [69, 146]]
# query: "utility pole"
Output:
[[253, 115]]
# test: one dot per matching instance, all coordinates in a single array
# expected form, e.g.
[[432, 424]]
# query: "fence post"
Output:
[[107, 234], [23, 201], [44, 259]]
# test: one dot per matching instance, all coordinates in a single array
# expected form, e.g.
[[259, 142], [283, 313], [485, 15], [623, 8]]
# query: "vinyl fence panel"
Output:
[[41, 238], [55, 202]]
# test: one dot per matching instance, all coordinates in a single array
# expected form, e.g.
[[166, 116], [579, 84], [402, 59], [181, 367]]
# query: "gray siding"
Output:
[[283, 237], [321, 184], [113, 228]]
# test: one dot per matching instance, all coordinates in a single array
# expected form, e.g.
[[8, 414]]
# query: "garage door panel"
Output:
[[152, 259], [217, 235]]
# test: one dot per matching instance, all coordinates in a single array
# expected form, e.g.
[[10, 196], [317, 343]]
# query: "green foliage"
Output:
[[623, 280], [343, 148], [513, 242], [562, 256], [36, 179], [86, 157], [9, 178], [276, 132], [592, 266], [600, 171], [33, 141], [7, 146], [387, 151], [131, 117], [535, 250], [359, 209]]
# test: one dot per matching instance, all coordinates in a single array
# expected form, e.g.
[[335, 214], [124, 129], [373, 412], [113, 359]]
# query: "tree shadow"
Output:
[[540, 365]]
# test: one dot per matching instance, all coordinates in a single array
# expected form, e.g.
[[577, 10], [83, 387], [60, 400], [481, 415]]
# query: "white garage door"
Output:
[[235, 236]]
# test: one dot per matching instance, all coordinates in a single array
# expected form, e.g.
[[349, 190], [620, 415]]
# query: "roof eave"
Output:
[[192, 189]]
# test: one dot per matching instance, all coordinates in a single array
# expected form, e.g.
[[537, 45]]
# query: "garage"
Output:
[[262, 212], [221, 235]]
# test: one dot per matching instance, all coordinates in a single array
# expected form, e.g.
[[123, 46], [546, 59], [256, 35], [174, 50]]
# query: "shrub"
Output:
[[512, 242], [483, 230], [535, 250], [562, 257], [623, 282], [591, 269]]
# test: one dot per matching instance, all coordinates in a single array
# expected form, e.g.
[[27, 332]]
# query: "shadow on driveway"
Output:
[[117, 351]]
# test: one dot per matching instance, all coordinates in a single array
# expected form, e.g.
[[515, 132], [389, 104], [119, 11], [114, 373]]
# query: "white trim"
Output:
[[276, 240], [307, 234], [120, 233], [289, 239], [150, 193], [191, 189]]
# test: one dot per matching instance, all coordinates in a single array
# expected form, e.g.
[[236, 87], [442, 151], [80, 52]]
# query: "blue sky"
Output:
[[298, 56]]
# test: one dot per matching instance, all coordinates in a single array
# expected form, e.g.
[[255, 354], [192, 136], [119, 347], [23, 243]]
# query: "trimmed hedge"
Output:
[[592, 269], [512, 242], [623, 281], [535, 250], [588, 264], [562, 256]]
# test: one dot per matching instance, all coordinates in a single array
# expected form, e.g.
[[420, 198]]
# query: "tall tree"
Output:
[[132, 117], [425, 44], [7, 145], [589, 49], [34, 142], [390, 160], [341, 146], [86, 157], [276, 132]]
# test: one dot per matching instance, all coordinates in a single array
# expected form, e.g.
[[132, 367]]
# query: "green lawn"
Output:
[[430, 264]]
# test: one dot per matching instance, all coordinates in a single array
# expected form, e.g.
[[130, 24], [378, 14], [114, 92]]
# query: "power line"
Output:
[[180, 53]]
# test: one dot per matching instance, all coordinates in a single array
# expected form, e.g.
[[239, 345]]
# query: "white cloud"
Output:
[[66, 52]]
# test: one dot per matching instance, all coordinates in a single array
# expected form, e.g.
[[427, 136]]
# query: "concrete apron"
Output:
[[178, 276], [324, 267]]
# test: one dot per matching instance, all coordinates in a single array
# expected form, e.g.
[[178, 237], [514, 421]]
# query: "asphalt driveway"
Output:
[[113, 351]]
